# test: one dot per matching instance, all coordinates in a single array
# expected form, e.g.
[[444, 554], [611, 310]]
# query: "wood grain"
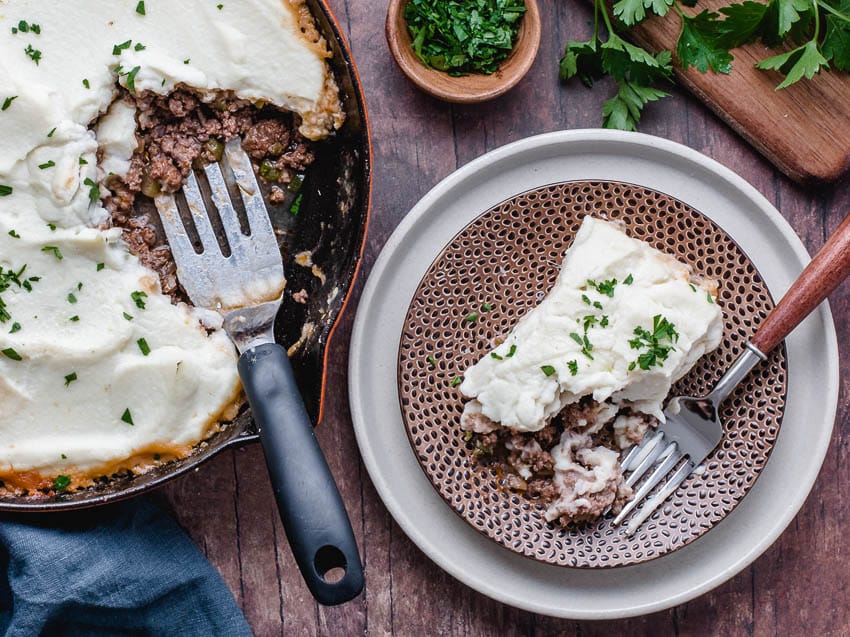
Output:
[[803, 129], [829, 267], [798, 587]]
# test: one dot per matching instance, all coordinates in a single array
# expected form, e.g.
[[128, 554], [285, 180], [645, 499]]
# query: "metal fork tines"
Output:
[[253, 271], [689, 434]]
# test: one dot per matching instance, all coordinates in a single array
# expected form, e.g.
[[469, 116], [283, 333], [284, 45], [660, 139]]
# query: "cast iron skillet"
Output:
[[331, 225]]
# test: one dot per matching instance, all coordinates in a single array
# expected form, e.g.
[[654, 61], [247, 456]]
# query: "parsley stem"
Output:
[[817, 21], [604, 10], [823, 5], [596, 19]]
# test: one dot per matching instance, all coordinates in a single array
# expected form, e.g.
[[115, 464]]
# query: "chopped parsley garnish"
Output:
[[83, 162], [629, 280], [486, 307], [5, 191], [496, 356], [11, 353], [457, 380], [584, 343], [127, 416], [219, 6], [295, 208], [14, 234], [573, 365], [460, 37], [54, 249], [8, 102], [23, 27], [52, 227], [70, 378], [52, 132], [46, 165], [74, 319], [86, 83], [64, 457], [61, 483], [16, 327], [71, 298], [511, 352], [100, 266], [658, 343], [547, 369], [145, 348], [603, 322], [139, 46], [140, 8], [7, 279], [471, 317], [586, 299], [693, 287], [431, 360], [187, 60], [708, 296], [79, 286], [116, 49], [138, 298], [94, 191], [131, 79], [606, 287], [33, 54], [127, 316]]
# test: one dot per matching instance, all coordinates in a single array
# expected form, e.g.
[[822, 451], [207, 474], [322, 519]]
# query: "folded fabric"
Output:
[[123, 569]]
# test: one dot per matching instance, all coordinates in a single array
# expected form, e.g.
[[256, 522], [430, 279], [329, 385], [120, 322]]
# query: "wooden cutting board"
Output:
[[803, 129]]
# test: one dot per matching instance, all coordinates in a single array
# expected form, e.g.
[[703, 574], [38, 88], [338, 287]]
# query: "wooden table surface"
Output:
[[801, 585]]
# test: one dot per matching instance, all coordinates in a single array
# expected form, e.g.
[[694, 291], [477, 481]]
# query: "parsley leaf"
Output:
[[630, 12], [699, 44], [804, 61], [623, 111], [582, 60]]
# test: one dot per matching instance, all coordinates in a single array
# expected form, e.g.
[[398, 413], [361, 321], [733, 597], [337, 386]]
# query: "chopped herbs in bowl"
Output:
[[461, 37]]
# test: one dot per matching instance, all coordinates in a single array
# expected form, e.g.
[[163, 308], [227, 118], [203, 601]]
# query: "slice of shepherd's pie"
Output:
[[584, 374]]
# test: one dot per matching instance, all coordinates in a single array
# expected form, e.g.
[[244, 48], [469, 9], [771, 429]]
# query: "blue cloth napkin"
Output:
[[123, 569]]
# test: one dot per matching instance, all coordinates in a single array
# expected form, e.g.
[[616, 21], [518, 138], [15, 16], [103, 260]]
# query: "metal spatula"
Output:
[[246, 287]]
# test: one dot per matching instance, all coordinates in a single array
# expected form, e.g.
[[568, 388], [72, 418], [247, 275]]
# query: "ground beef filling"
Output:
[[571, 465], [182, 130]]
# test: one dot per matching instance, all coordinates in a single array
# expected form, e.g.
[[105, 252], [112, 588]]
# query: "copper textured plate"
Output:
[[509, 257]]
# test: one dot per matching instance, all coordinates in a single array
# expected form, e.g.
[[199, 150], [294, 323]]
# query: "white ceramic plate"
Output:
[[461, 550]]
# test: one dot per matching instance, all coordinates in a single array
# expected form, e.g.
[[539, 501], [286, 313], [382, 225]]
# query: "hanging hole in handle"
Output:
[[330, 564]]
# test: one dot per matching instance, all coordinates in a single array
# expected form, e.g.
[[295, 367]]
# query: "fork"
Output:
[[246, 288], [692, 428]]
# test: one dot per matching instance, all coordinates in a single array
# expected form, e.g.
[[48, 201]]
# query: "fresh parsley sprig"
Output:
[[818, 31]]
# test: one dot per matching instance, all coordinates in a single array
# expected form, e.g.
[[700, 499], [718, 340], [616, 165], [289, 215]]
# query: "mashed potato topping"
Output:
[[98, 370]]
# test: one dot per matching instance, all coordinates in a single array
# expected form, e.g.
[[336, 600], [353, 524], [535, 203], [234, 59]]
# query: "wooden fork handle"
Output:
[[829, 267]]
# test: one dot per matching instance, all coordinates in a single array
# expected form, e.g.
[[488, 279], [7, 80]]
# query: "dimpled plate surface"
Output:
[[508, 258]]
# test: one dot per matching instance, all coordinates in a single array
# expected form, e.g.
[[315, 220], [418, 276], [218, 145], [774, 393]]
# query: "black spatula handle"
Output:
[[310, 506]]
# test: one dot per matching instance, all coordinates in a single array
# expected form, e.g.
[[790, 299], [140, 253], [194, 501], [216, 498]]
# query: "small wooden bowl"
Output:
[[472, 88]]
